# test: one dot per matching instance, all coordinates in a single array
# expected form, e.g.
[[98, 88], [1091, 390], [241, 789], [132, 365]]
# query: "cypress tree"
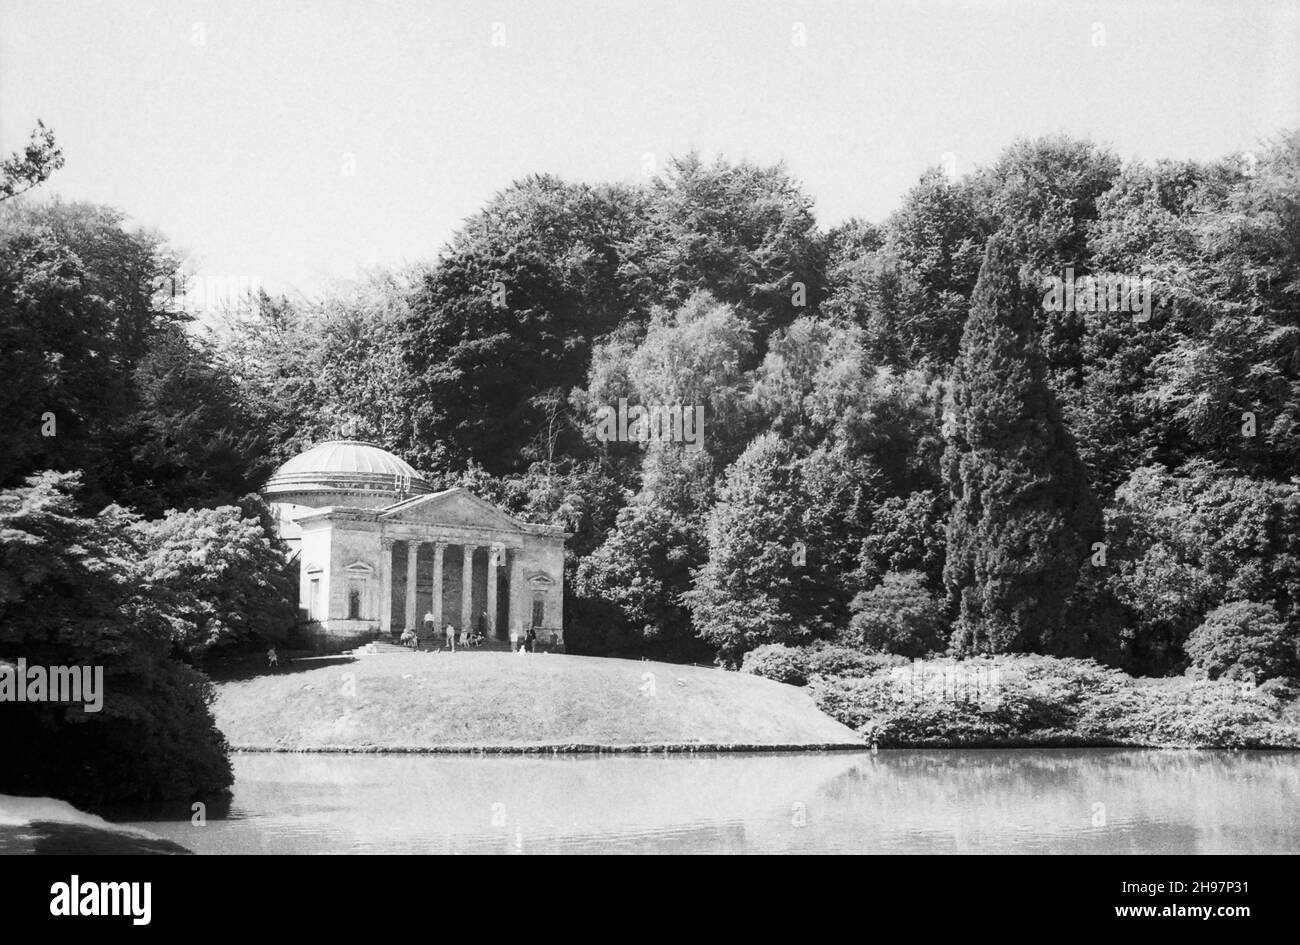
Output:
[[1022, 514]]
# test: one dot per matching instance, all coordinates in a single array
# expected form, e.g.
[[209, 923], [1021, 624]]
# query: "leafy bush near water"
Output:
[[776, 661], [796, 665], [1046, 701]]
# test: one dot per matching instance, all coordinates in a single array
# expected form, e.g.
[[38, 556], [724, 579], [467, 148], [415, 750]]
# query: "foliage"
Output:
[[1244, 640], [79, 308], [834, 659], [189, 441], [1181, 543], [643, 568], [1035, 700], [511, 311], [771, 574], [645, 563], [906, 534], [797, 665], [73, 592], [900, 615], [776, 661], [1022, 510], [743, 232], [25, 169], [910, 289], [817, 385], [317, 369], [221, 577]]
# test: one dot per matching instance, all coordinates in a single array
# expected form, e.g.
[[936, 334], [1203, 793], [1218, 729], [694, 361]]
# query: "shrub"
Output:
[[777, 661], [1039, 700], [900, 615], [1282, 688], [833, 659], [1243, 640], [1193, 714]]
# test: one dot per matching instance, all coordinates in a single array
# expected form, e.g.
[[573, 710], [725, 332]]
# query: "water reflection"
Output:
[[1062, 801]]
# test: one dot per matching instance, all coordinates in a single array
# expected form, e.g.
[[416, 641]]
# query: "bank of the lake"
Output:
[[46, 825], [507, 702]]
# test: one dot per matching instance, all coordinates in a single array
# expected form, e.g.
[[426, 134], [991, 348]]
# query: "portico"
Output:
[[461, 580]]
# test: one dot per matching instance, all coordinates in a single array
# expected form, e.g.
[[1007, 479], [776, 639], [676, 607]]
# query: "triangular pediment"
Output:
[[452, 507]]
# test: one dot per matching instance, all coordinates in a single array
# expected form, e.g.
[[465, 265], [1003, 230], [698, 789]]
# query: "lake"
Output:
[[1029, 801]]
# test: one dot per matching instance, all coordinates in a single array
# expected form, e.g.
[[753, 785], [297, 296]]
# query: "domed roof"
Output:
[[346, 456], [346, 466]]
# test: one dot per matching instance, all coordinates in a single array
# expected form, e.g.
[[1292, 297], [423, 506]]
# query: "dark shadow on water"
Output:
[[213, 809]]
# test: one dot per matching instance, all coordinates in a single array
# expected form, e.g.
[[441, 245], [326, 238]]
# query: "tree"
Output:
[[73, 593], [25, 169], [1145, 229], [223, 579], [766, 579], [911, 293], [900, 615], [1244, 640], [1022, 512], [907, 533], [817, 386], [1041, 196], [315, 369], [511, 311], [1181, 543], [745, 233], [644, 566], [80, 309], [1240, 351], [691, 356], [189, 441]]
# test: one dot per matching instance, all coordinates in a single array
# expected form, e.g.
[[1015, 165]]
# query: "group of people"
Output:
[[465, 638], [526, 643], [519, 639]]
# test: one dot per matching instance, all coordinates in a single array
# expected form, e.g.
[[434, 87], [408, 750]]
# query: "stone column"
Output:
[[467, 589], [517, 592], [412, 549], [386, 585], [438, 548], [494, 561]]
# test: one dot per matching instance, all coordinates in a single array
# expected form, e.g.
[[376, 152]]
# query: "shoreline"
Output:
[[682, 749], [556, 749]]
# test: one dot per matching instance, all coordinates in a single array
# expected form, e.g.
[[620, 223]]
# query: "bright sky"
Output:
[[232, 126]]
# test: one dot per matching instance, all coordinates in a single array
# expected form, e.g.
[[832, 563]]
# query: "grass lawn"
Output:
[[508, 701]]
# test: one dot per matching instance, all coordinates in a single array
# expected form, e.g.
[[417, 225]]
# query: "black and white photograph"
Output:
[[683, 427]]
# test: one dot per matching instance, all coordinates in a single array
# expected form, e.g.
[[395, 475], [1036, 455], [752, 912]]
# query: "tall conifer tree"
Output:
[[1022, 516]]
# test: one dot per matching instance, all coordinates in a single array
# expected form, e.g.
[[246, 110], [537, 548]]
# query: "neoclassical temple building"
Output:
[[378, 548]]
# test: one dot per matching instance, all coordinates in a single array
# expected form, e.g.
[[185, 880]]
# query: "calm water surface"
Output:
[[1066, 801]]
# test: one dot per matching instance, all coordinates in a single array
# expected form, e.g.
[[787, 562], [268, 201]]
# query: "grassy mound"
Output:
[[513, 702]]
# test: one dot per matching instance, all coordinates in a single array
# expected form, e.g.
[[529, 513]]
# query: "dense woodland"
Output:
[[906, 451]]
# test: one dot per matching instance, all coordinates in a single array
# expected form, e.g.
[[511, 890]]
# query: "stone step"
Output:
[[380, 647]]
